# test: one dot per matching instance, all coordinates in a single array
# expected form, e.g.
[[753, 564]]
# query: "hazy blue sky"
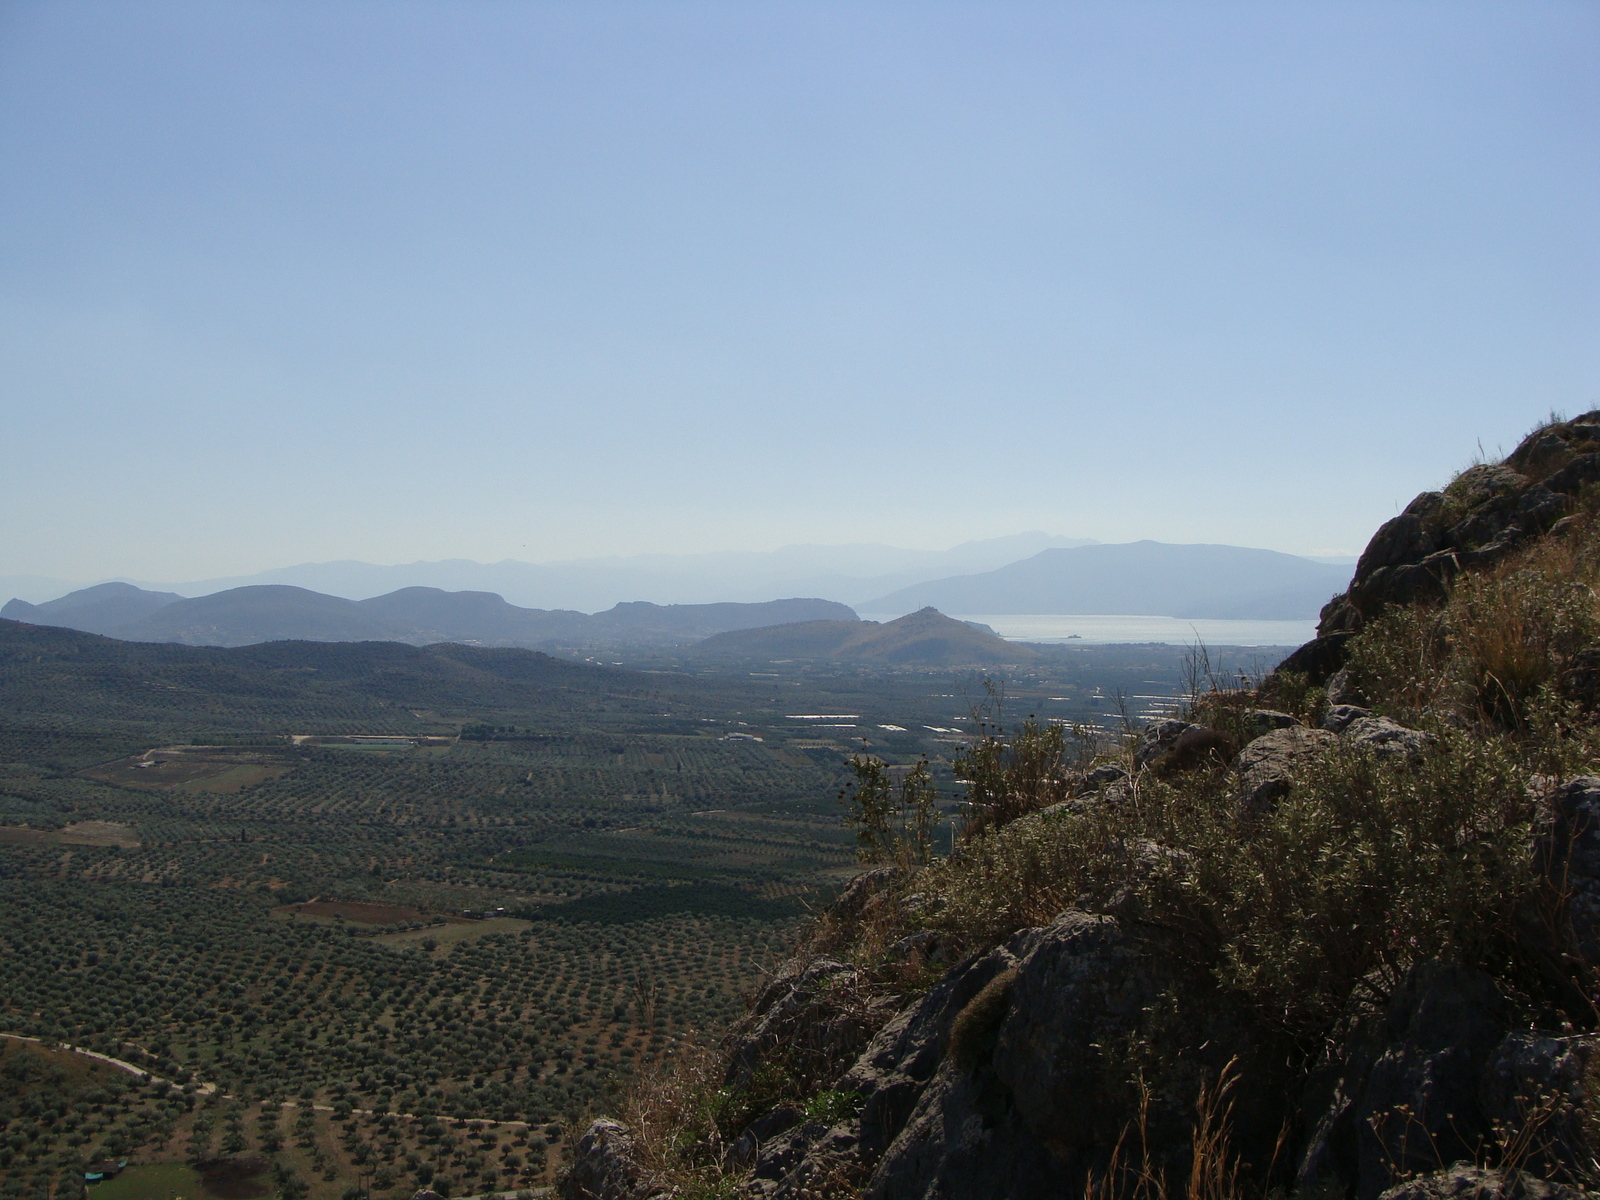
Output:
[[294, 281]]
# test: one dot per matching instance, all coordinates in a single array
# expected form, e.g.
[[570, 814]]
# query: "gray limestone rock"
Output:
[[1157, 739], [1035, 1088], [1340, 716], [895, 1068], [605, 1166], [1467, 1182], [1100, 777], [1572, 477], [1343, 690], [1406, 1092], [1539, 1077], [1261, 721], [1266, 766], [1567, 850], [811, 1011], [1387, 738]]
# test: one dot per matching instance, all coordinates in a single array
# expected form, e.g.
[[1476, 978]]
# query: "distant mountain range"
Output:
[[843, 573], [1029, 573], [1135, 579], [925, 638], [416, 615], [816, 629]]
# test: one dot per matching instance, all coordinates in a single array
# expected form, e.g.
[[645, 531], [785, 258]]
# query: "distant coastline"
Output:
[[1102, 629]]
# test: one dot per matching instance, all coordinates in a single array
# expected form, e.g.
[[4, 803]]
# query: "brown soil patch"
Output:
[[74, 1073], [361, 911], [81, 833], [455, 930], [99, 833], [195, 768], [233, 779], [237, 1178]]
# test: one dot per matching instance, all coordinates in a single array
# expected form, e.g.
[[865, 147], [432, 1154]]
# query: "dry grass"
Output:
[[1215, 1170], [670, 1107], [1493, 651]]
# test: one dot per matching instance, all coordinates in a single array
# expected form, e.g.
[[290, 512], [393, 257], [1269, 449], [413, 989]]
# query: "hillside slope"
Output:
[[417, 615], [924, 638], [1337, 935], [163, 689], [267, 613], [98, 609]]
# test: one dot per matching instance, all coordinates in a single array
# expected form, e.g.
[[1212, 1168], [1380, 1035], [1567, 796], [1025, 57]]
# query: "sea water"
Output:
[[1105, 629]]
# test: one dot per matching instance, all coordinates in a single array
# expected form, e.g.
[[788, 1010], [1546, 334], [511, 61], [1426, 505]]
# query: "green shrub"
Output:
[[1010, 777], [1366, 866], [889, 828]]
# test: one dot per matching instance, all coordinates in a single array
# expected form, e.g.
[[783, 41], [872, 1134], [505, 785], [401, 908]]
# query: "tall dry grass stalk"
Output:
[[1215, 1171], [669, 1107]]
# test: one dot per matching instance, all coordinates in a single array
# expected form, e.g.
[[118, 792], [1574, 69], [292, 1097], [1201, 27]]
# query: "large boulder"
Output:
[[606, 1166], [1100, 778], [1567, 849], [1157, 739], [1323, 656], [1267, 766], [1421, 1104], [1037, 1083], [1487, 512], [1260, 721], [813, 1014], [1340, 717], [1435, 1080], [1535, 1084], [1387, 739], [1467, 1182], [908, 1050], [964, 1140]]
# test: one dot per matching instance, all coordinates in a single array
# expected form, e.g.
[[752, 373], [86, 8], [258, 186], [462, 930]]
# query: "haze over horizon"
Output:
[[395, 283]]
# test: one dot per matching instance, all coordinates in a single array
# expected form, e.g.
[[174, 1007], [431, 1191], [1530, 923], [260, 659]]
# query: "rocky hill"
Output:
[[420, 616], [1336, 935], [98, 609], [926, 638]]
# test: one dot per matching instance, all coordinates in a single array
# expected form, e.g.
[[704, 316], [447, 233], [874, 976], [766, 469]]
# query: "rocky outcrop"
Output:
[[1567, 850], [1443, 1075], [1267, 765], [862, 891], [1011, 1076], [1466, 1182], [1261, 721], [1100, 778], [1158, 738], [813, 1013], [891, 1075], [1485, 514], [1387, 739], [605, 1166], [1340, 717], [1030, 1064]]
